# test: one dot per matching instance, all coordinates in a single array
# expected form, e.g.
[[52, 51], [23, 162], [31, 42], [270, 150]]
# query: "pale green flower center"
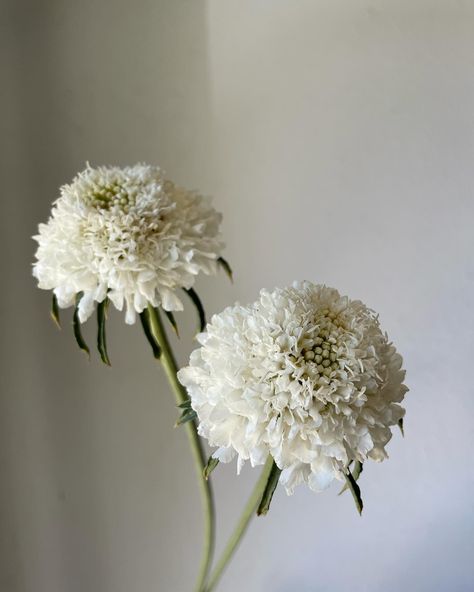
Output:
[[321, 360], [104, 197]]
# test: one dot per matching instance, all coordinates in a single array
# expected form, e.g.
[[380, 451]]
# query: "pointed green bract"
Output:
[[226, 267], [101, 341], [54, 312], [355, 490], [400, 425], [269, 490], [186, 415], [358, 468], [145, 321], [76, 326], [198, 304], [185, 404], [211, 465], [172, 320]]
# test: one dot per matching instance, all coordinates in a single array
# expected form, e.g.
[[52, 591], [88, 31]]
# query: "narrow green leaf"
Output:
[[200, 309], [187, 415], [226, 267], [55, 311], [101, 341], [173, 322], [76, 326], [145, 320], [211, 465], [187, 412], [269, 490], [185, 404], [355, 490], [400, 425], [358, 468]]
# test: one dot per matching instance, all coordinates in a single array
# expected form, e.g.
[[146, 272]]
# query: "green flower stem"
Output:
[[169, 364], [242, 525]]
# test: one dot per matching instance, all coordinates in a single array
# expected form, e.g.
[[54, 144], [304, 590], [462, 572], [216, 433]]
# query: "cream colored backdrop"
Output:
[[337, 138]]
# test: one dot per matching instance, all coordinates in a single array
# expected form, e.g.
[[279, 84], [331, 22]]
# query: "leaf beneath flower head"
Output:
[[198, 304], [172, 320], [186, 415], [358, 468], [76, 326], [355, 490], [269, 490], [55, 311], [226, 267], [145, 321], [101, 341], [211, 465], [185, 404], [400, 425]]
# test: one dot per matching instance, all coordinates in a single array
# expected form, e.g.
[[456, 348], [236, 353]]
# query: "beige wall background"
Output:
[[337, 138]]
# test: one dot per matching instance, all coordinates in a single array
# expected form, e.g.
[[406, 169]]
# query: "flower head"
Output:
[[303, 374], [129, 234]]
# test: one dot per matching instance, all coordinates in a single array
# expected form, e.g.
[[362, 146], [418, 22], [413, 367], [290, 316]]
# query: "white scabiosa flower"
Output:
[[129, 235], [303, 374]]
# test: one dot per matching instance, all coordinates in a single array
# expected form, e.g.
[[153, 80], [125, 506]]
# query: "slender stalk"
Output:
[[249, 511], [169, 364]]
